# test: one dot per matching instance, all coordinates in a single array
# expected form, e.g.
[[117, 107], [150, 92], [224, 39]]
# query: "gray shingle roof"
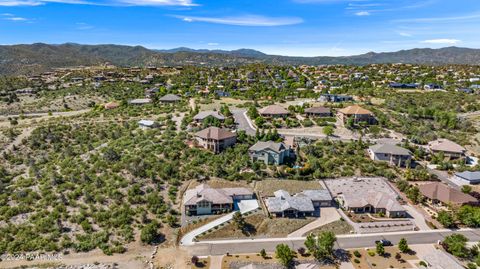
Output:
[[260, 145], [215, 133], [170, 98], [300, 202], [468, 175], [389, 149], [204, 114], [216, 196]]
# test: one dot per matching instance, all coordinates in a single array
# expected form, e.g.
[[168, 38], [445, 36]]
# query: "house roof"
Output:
[[261, 145], [204, 192], [146, 122], [469, 175], [204, 114], [169, 98], [389, 149], [355, 110], [445, 145], [280, 204], [375, 199], [274, 110], [318, 110], [316, 195], [215, 133], [140, 101], [445, 194]]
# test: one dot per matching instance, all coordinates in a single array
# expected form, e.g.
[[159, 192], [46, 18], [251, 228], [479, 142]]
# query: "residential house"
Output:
[[468, 177], [357, 114], [439, 194], [392, 154], [169, 98], [396, 85], [449, 148], [202, 115], [334, 98], [204, 200], [274, 111], [270, 152], [141, 101], [366, 195], [300, 205], [318, 112], [111, 105], [147, 124], [215, 139], [221, 93]]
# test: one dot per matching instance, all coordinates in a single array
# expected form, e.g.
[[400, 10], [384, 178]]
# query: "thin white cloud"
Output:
[[248, 20], [405, 34], [446, 41], [467, 17], [362, 13], [104, 2], [84, 26], [213, 44], [12, 17]]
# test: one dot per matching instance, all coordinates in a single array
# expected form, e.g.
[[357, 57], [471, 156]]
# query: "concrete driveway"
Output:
[[418, 218], [243, 122], [327, 215], [244, 206]]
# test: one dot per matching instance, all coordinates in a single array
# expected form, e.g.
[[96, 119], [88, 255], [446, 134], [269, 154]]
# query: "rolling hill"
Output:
[[39, 57]]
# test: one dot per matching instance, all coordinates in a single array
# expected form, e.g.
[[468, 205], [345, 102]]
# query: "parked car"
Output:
[[384, 242]]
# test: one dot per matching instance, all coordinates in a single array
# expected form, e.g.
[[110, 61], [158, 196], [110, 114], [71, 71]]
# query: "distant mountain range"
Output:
[[39, 57]]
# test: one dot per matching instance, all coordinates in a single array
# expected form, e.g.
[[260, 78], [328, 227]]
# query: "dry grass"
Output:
[[269, 186], [220, 183], [337, 227], [216, 104], [255, 258], [387, 261], [262, 226]]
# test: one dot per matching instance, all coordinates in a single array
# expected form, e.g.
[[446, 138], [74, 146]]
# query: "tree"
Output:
[[403, 245], [380, 249], [466, 189], [195, 260], [456, 244], [301, 251], [239, 220], [321, 247], [284, 254], [328, 130], [446, 219], [263, 253], [149, 233]]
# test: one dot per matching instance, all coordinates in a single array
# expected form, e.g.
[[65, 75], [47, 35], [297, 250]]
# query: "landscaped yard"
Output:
[[366, 218], [337, 227], [389, 260], [259, 226], [237, 261], [269, 186]]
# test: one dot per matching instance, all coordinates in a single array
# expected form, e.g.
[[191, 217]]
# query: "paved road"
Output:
[[242, 121], [221, 247], [443, 176]]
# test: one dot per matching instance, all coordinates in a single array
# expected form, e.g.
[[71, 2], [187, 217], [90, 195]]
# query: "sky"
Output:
[[282, 27]]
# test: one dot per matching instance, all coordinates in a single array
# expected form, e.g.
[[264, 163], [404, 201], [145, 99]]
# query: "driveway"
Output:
[[244, 206], [327, 215], [243, 122], [418, 218]]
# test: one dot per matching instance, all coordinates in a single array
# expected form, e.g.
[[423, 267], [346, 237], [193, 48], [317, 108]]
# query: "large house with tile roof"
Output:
[[448, 148], [437, 193], [215, 139], [274, 111], [392, 154], [357, 114], [205, 200]]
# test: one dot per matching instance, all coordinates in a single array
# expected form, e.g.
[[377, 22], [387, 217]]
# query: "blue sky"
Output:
[[286, 27]]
